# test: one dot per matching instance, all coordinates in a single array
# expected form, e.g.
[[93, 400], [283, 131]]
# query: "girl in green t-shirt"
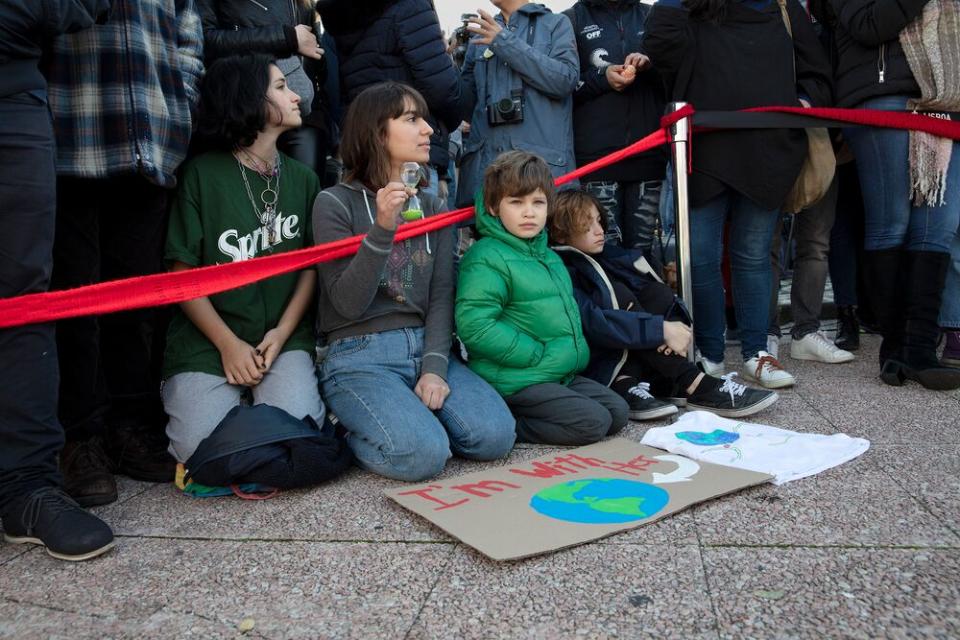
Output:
[[244, 200]]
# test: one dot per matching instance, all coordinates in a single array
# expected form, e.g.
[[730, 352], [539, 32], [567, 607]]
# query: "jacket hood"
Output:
[[490, 226], [533, 8]]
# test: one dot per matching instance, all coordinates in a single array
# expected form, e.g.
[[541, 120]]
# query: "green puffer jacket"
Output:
[[515, 310]]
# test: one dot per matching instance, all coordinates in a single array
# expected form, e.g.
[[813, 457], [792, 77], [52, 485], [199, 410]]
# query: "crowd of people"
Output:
[[138, 136]]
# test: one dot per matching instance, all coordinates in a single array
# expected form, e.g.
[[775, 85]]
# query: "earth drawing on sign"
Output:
[[600, 501]]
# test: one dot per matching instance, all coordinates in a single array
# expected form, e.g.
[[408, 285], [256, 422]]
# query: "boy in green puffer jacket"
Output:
[[518, 319]]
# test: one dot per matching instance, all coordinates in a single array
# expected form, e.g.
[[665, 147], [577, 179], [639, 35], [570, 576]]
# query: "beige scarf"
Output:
[[931, 44]]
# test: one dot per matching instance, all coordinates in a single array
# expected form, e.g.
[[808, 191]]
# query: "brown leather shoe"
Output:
[[86, 476]]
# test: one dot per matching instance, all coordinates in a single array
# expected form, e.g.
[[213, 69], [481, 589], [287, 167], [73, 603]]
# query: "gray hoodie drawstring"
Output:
[[367, 202]]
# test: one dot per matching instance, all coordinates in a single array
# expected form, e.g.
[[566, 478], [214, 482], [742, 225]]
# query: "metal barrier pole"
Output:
[[679, 139]]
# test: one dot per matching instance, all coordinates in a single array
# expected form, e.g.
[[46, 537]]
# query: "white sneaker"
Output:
[[766, 371], [711, 368], [815, 346], [773, 345]]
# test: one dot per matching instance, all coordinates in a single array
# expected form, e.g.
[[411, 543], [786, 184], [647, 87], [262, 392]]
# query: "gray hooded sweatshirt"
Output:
[[386, 285]]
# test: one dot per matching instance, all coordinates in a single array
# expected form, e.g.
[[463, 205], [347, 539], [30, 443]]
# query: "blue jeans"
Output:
[[751, 232], [368, 382], [883, 163]]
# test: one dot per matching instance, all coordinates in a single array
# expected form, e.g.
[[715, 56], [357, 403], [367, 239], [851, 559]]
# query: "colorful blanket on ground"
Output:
[[786, 455], [197, 490]]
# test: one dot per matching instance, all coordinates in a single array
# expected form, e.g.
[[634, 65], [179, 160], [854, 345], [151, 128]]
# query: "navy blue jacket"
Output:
[[397, 40], [613, 332], [605, 120]]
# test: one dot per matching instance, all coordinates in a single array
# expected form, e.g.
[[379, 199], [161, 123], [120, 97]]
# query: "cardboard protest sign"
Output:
[[580, 495]]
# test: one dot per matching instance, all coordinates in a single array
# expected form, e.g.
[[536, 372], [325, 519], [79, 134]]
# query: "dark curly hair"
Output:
[[233, 100]]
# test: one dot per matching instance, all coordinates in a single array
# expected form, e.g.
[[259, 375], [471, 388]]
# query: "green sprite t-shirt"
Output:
[[213, 222]]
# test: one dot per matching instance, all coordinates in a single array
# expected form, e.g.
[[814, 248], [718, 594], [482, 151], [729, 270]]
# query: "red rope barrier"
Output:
[[171, 288]]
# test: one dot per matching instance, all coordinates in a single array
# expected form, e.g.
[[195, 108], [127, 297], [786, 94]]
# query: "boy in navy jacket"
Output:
[[636, 328]]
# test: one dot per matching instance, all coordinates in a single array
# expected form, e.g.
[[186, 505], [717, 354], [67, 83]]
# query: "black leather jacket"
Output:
[[245, 26]]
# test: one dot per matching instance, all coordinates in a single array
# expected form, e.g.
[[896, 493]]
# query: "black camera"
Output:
[[506, 110], [461, 39]]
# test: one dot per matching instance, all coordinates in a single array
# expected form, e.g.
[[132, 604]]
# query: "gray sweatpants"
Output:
[[582, 412], [197, 402]]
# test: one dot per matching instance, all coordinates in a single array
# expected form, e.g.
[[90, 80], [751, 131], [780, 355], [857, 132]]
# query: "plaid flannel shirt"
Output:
[[123, 94]]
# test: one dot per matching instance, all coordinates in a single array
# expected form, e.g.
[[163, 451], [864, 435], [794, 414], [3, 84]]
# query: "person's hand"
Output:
[[443, 190], [465, 128], [270, 347], [390, 199], [432, 390], [804, 103], [638, 61], [676, 337], [241, 363], [485, 27], [615, 76], [307, 44]]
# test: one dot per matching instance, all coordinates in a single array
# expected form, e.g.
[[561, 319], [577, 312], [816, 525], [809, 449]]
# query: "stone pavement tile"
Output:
[[886, 415], [929, 473], [594, 591], [290, 589], [795, 413], [10, 551], [18, 620], [350, 508], [853, 504], [835, 593]]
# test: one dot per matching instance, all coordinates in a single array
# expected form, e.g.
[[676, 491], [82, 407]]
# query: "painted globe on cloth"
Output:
[[600, 501]]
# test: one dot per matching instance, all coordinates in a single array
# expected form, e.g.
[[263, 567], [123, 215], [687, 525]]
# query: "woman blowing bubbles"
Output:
[[387, 312], [243, 201]]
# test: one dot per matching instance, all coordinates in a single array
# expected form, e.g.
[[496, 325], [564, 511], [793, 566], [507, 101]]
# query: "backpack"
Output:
[[265, 445]]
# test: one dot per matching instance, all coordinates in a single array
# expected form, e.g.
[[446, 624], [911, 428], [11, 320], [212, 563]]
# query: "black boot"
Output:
[[848, 329], [883, 275], [926, 272]]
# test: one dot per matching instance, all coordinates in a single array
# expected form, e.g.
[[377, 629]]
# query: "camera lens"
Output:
[[505, 108]]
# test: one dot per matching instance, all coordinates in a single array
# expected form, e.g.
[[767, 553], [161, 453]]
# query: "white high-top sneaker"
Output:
[[766, 371], [711, 368], [815, 346]]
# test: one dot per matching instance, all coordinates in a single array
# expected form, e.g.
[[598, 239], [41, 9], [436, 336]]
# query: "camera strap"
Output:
[[531, 32]]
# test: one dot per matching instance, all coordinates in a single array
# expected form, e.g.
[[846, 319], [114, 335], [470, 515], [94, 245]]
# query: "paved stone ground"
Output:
[[870, 549]]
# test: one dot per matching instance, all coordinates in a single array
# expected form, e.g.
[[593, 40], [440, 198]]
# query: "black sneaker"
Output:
[[86, 473], [644, 406], [50, 518], [141, 454], [729, 399]]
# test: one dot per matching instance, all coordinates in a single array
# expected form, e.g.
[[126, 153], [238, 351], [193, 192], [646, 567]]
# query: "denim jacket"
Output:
[[548, 69]]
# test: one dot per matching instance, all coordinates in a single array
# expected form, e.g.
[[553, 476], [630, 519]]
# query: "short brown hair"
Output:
[[569, 216], [363, 142], [516, 173]]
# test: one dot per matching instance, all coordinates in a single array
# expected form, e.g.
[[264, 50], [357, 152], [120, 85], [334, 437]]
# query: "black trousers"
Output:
[[668, 375], [109, 366], [30, 436]]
